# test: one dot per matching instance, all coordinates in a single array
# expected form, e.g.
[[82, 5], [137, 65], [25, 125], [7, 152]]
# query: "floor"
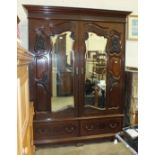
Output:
[[106, 148], [60, 103]]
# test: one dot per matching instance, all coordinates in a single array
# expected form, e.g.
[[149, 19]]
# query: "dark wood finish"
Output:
[[84, 123], [41, 82], [55, 12], [100, 126], [56, 129], [79, 139]]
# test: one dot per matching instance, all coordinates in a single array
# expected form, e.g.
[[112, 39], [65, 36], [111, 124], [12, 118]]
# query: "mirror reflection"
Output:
[[62, 72], [95, 71]]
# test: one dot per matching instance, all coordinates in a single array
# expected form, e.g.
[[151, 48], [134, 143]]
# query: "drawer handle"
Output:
[[90, 127], [113, 125], [69, 129]]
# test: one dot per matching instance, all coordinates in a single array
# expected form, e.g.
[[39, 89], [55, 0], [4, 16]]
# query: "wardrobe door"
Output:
[[93, 68], [53, 76], [101, 67]]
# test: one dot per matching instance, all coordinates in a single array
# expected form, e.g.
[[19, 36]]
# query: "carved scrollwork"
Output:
[[112, 82], [115, 67], [114, 43], [44, 82], [115, 48], [42, 41]]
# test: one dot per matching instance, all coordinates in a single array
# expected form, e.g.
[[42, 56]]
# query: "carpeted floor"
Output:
[[106, 148]]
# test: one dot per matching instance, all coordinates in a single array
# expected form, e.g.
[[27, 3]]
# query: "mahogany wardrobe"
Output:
[[77, 76]]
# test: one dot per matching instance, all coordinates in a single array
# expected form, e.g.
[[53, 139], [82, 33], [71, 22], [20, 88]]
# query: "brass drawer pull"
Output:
[[113, 125], [90, 127], [69, 129]]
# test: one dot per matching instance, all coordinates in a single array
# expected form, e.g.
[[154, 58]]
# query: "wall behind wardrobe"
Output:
[[125, 5]]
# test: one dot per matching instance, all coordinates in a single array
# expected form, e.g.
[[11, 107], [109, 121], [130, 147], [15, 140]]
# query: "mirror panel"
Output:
[[62, 72], [95, 71]]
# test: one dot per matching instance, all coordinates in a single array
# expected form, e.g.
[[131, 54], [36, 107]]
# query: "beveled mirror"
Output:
[[95, 71], [62, 73]]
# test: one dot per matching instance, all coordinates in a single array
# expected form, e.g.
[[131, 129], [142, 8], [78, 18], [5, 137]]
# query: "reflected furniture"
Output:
[[25, 110], [100, 66], [64, 77], [61, 38]]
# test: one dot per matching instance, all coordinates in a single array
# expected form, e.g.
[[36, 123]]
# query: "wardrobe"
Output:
[[77, 76]]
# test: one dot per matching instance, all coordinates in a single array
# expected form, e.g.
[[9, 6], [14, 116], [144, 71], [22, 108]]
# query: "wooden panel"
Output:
[[55, 130], [115, 67], [41, 67], [115, 95], [100, 126], [41, 80], [115, 70]]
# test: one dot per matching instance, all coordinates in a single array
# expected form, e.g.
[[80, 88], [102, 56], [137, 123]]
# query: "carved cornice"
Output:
[[23, 56], [52, 12]]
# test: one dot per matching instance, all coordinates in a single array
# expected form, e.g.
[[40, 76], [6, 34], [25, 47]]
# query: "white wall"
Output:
[[126, 5]]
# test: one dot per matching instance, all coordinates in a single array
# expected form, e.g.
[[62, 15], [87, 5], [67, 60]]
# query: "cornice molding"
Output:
[[52, 12], [23, 56]]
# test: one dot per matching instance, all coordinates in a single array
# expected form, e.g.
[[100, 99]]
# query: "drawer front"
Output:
[[53, 130], [100, 126]]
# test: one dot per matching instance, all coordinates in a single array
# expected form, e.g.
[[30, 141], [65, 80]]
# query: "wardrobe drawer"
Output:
[[46, 130], [100, 126]]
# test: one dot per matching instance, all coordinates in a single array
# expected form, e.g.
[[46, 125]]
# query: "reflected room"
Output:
[[95, 73], [62, 72]]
